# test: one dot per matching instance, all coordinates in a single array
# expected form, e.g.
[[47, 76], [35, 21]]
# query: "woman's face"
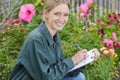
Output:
[[57, 17]]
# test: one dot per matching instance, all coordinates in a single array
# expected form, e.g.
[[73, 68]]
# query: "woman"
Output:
[[41, 56]]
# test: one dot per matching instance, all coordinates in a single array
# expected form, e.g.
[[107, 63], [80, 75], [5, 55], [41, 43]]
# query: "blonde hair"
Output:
[[50, 4]]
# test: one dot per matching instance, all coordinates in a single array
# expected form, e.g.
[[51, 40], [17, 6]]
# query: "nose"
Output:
[[63, 18]]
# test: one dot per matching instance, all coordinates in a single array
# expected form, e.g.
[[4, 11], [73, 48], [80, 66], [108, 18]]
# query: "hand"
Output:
[[79, 56], [97, 54]]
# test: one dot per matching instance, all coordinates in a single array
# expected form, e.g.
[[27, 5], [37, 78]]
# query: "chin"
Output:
[[59, 28]]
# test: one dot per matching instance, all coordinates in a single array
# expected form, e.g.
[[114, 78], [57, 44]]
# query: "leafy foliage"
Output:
[[11, 42]]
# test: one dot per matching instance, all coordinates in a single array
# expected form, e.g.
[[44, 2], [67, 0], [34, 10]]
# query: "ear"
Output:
[[44, 15]]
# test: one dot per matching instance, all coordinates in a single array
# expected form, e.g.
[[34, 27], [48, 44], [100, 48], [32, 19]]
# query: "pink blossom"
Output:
[[109, 43], [117, 44], [89, 2], [83, 15], [83, 8], [12, 20], [99, 21], [27, 12], [114, 37]]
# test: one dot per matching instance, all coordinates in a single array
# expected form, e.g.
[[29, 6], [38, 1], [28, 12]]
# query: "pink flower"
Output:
[[83, 15], [83, 8], [27, 12], [114, 37], [99, 21], [109, 43], [117, 44], [89, 2]]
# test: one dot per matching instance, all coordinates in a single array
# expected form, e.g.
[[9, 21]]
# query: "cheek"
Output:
[[66, 19], [52, 18], [49, 20]]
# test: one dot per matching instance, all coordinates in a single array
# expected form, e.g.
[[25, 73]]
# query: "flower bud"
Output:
[[111, 53], [111, 50], [103, 48], [115, 55], [105, 52]]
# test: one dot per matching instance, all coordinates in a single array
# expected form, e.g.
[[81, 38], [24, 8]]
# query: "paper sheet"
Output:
[[89, 58]]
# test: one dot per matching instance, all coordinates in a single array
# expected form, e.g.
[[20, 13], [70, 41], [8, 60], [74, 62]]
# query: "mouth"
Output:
[[59, 24]]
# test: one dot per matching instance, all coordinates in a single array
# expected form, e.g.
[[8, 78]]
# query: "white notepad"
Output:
[[89, 58]]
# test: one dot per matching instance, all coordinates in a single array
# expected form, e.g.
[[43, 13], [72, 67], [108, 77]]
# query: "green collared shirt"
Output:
[[41, 58]]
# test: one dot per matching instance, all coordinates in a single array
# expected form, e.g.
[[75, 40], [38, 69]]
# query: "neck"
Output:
[[52, 31]]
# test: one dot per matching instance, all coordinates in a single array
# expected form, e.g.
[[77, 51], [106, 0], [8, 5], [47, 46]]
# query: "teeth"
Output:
[[59, 24]]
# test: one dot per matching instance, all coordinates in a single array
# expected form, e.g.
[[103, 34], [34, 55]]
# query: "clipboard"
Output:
[[89, 58]]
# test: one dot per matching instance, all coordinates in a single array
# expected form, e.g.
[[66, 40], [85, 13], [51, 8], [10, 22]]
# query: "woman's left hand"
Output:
[[97, 54]]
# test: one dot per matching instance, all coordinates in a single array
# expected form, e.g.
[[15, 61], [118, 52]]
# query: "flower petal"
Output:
[[89, 2], [114, 37], [109, 43], [22, 13]]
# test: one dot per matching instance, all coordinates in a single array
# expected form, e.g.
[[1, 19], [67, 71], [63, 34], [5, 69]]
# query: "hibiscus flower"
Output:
[[27, 12]]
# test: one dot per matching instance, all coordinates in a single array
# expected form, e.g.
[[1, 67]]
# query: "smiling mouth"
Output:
[[59, 24]]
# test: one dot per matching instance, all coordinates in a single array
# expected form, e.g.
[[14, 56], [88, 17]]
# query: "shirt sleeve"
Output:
[[38, 64], [75, 72]]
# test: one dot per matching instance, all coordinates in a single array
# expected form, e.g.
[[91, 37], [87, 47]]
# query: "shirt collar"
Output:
[[47, 34]]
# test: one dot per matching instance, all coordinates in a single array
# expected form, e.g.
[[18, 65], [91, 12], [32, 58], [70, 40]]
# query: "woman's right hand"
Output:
[[79, 56]]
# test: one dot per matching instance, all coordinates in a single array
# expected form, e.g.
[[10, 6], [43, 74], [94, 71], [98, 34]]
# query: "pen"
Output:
[[78, 47]]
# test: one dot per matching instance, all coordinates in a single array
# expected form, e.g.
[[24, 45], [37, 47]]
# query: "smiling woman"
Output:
[[56, 19], [41, 57]]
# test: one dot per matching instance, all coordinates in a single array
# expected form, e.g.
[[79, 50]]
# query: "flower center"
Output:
[[28, 12]]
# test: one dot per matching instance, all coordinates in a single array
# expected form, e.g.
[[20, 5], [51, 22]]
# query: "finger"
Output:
[[84, 50], [96, 56]]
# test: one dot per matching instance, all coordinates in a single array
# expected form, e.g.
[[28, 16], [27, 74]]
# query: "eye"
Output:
[[57, 14], [60, 14], [66, 15]]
